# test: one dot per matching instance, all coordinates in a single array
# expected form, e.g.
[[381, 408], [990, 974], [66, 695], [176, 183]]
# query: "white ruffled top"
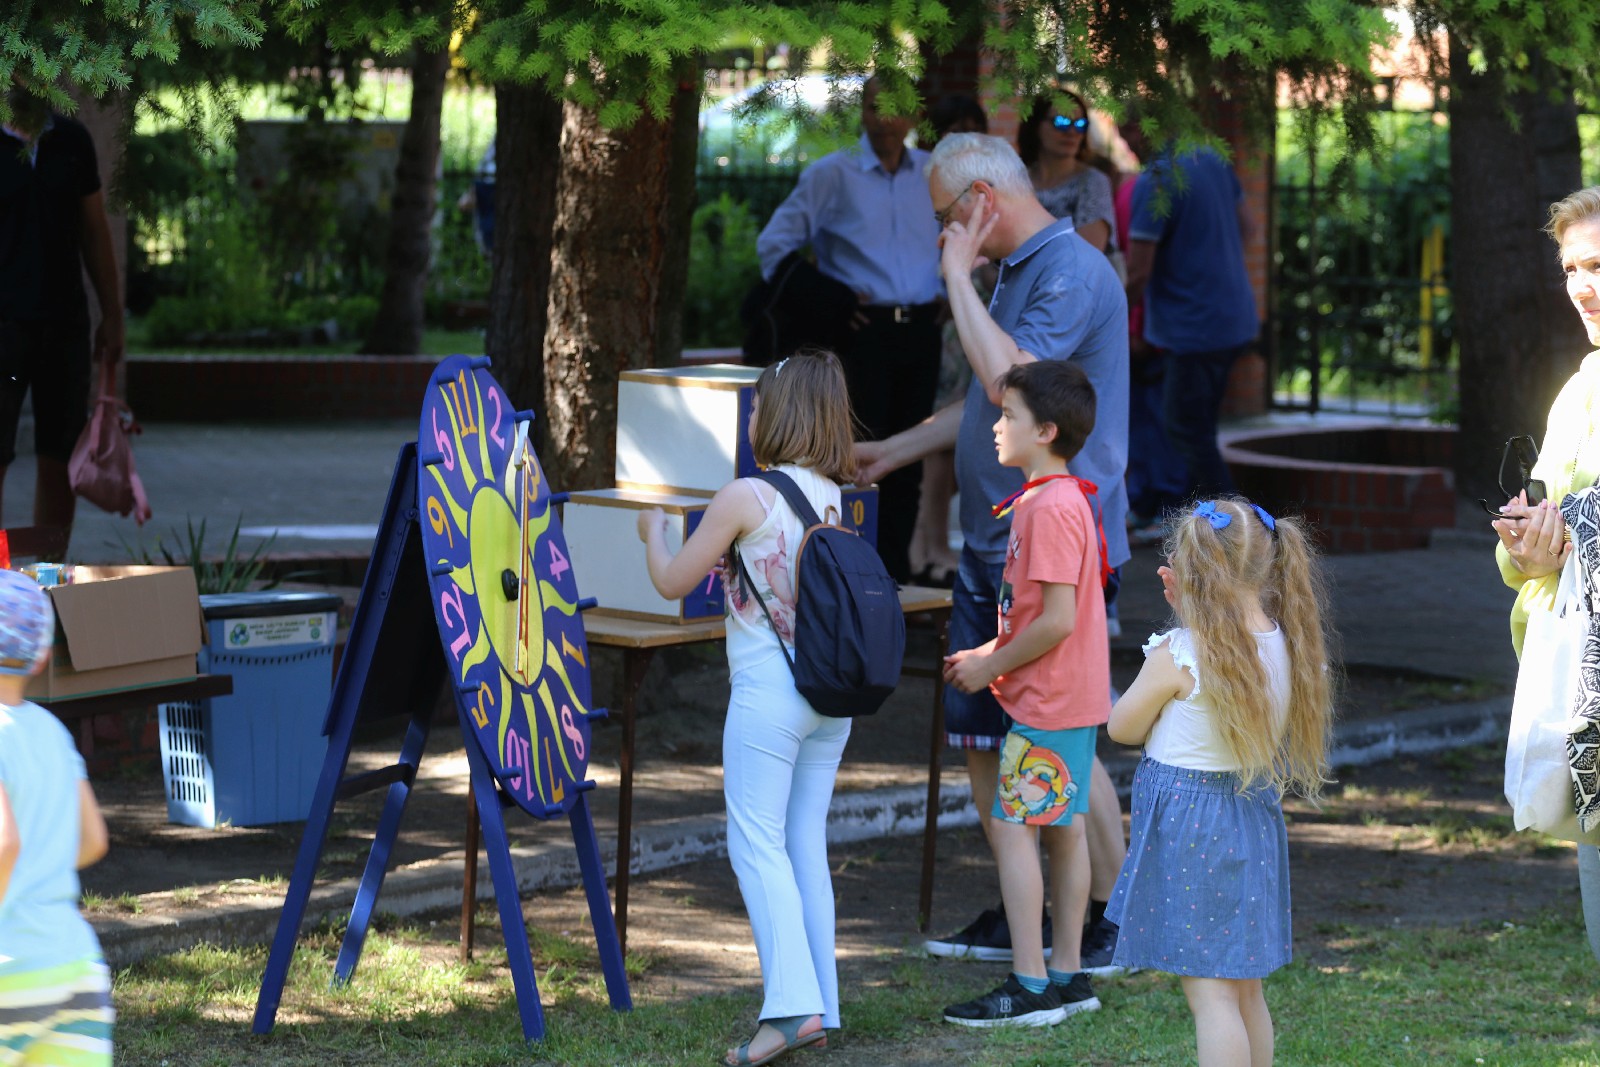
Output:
[[1185, 733], [770, 552]]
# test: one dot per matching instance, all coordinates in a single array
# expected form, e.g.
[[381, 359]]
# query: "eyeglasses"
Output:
[[1061, 122], [943, 217], [1521, 449]]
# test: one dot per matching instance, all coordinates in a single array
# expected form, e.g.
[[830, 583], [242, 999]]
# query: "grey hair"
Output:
[[1581, 206], [964, 158]]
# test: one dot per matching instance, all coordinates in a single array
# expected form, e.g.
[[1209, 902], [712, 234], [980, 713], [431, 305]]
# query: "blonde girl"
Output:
[[779, 755], [1233, 708]]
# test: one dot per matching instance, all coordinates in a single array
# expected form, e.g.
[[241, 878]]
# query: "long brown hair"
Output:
[[1222, 575], [804, 417]]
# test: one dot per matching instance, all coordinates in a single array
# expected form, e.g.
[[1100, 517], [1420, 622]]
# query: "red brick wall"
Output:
[[1370, 490]]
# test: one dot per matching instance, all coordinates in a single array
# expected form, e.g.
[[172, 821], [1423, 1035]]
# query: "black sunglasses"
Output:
[[1520, 449], [1061, 122]]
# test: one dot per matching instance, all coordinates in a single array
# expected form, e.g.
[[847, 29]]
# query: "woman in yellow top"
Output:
[[1533, 538]]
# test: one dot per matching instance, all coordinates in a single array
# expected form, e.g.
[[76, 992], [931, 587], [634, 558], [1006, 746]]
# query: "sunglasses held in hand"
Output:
[[1522, 451]]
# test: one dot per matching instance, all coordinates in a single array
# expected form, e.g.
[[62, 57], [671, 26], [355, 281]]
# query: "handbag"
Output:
[[101, 469], [1538, 780]]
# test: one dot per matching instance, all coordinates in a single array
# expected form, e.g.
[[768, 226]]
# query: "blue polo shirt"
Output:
[[1058, 298], [1198, 298], [871, 229]]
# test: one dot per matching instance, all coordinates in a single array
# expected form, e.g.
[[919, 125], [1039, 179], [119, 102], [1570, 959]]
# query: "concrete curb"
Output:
[[435, 884]]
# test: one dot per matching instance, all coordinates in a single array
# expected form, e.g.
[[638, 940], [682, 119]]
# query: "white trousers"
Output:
[[779, 760]]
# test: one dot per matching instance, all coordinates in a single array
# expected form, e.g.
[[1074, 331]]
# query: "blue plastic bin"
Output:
[[253, 757]]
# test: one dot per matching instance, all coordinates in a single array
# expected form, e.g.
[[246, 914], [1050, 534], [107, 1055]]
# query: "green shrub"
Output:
[[354, 314], [722, 268]]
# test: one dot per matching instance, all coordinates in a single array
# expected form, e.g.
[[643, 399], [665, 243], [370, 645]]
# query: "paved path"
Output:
[[261, 476]]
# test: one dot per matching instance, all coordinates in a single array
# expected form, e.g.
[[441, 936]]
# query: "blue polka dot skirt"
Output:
[[1205, 888]]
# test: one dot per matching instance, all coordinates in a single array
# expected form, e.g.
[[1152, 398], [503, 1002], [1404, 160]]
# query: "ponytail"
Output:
[[1298, 597]]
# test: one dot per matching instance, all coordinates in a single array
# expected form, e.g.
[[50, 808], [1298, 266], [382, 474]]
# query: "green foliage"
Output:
[[226, 284], [234, 572], [722, 266], [625, 57], [49, 44]]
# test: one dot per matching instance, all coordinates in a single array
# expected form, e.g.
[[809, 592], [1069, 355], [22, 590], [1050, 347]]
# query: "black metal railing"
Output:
[[1360, 290]]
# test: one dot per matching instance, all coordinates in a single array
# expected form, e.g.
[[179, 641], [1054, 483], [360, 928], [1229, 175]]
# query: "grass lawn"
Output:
[[1498, 994]]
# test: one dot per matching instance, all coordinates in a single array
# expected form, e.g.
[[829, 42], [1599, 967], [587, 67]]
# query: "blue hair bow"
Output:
[[1221, 519]]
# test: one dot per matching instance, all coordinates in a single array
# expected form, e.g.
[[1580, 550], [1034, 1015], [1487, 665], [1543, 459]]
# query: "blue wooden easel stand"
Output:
[[394, 665]]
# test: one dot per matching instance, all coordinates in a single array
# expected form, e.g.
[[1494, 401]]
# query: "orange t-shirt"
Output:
[[1053, 539]]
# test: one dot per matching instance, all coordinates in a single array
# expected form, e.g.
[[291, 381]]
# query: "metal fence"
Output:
[[1360, 288]]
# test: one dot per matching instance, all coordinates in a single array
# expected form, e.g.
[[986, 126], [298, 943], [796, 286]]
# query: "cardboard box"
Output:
[[601, 528], [685, 429], [120, 628]]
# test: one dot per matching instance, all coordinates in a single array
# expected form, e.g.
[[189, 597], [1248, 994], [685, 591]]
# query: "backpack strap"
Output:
[[755, 594], [793, 494]]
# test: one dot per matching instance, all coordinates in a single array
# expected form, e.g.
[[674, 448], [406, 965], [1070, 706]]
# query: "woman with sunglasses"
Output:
[[1055, 146], [1533, 535]]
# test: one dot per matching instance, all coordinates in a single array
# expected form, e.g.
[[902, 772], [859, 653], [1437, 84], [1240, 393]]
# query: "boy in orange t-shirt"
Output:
[[1049, 667]]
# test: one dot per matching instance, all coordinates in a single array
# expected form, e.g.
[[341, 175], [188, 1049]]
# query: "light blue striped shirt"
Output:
[[872, 230]]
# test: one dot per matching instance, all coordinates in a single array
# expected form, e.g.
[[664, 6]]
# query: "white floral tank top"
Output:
[[769, 552]]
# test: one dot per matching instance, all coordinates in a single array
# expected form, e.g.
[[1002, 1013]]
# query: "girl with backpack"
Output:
[[779, 755], [1233, 707]]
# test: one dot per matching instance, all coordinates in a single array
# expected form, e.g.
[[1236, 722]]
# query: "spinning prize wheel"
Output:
[[503, 591]]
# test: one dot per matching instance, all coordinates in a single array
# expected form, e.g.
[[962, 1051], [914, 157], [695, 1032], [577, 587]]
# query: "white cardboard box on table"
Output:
[[685, 429], [601, 528]]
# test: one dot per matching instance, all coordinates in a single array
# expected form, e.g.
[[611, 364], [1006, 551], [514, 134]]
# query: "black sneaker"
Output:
[[1011, 1005], [988, 937], [1076, 996], [1099, 946]]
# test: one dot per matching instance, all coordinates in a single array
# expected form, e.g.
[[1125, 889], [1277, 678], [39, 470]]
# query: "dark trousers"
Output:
[[1196, 383], [1157, 479], [893, 371]]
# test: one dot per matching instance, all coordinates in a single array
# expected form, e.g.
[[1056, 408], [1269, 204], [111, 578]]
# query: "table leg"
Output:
[[635, 662], [930, 823], [469, 883]]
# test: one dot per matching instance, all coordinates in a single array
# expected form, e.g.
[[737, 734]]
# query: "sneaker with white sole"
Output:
[[1099, 947], [1077, 996], [1011, 1005], [988, 937]]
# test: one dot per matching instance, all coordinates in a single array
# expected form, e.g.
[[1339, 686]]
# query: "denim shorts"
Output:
[[974, 720]]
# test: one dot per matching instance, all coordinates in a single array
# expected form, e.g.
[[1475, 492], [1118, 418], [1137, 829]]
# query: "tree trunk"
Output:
[[527, 166], [681, 199], [397, 330], [610, 252], [1518, 336]]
